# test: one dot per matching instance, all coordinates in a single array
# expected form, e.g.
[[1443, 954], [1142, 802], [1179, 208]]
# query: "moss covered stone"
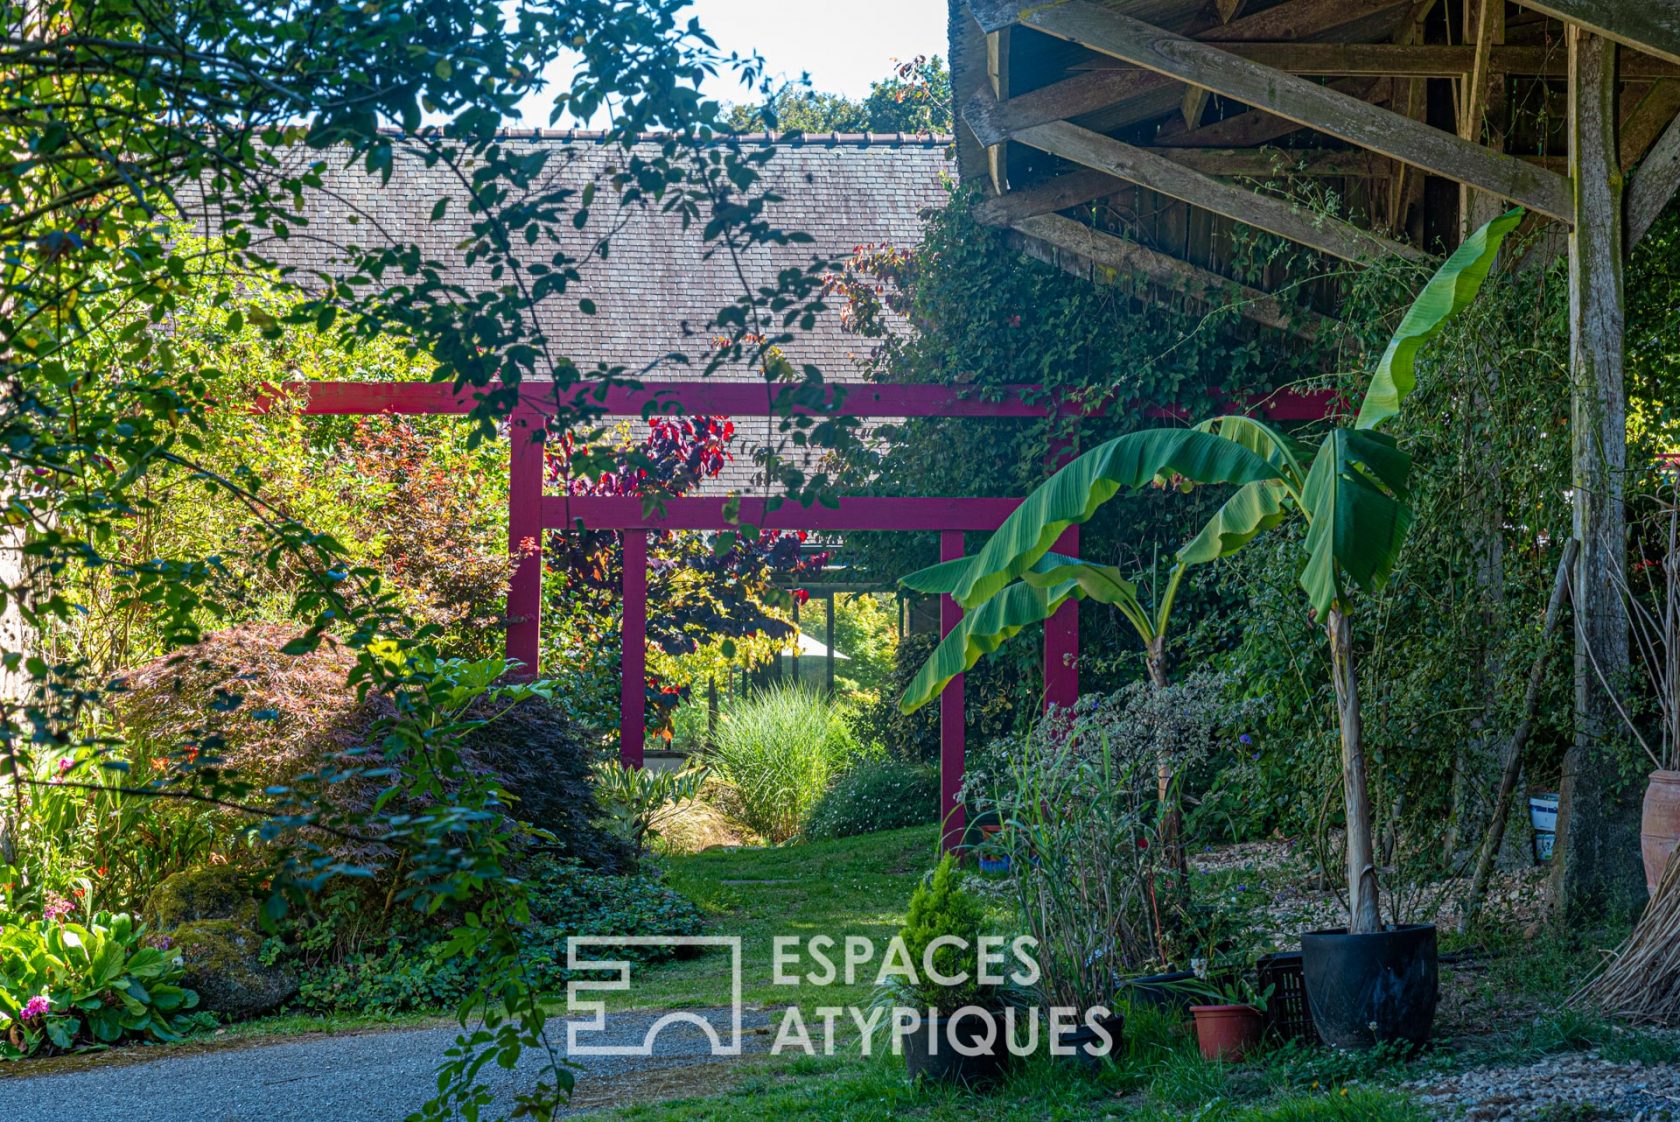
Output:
[[223, 965], [216, 892]]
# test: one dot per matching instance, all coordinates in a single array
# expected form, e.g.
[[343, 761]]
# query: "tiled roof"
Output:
[[659, 288]]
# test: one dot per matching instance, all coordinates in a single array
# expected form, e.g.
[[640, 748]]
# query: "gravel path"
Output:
[[377, 1076], [1571, 1088]]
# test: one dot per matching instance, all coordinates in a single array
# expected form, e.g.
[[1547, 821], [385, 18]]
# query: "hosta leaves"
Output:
[[1075, 492], [1448, 292]]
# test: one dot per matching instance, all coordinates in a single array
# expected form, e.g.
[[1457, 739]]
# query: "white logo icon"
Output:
[[597, 1021]]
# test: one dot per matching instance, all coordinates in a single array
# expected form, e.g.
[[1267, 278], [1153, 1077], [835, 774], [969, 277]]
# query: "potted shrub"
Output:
[[962, 1015], [1367, 981], [1229, 1012]]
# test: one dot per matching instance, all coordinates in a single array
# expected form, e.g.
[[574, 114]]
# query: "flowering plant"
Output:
[[68, 985]]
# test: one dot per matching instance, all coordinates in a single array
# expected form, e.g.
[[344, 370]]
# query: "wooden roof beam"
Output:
[[1148, 169], [1113, 258], [1653, 183], [1652, 26], [1392, 60], [1132, 94], [1297, 99]]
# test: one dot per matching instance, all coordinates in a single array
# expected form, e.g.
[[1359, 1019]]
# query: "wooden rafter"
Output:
[[1652, 26], [1653, 184], [1394, 60], [1129, 95], [1147, 169], [1358, 122], [1112, 258]]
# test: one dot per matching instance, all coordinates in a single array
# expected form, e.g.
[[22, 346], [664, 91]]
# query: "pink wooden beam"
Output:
[[752, 399], [951, 717], [632, 695], [561, 512], [1061, 640], [525, 529]]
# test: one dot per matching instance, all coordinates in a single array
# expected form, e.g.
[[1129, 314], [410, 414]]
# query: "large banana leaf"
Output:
[[1075, 492], [1253, 510], [983, 631], [938, 580], [1448, 292], [1355, 504]]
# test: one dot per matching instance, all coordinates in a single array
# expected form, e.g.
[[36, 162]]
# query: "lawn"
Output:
[[851, 886], [1499, 1008]]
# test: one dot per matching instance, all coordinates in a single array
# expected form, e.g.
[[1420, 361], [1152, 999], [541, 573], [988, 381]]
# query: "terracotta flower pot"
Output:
[[1659, 826], [1226, 1032]]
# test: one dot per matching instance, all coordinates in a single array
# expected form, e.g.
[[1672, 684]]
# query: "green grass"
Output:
[[848, 886], [874, 1089]]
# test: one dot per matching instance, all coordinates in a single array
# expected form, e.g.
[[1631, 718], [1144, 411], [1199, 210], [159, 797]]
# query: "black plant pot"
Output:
[[1087, 1045], [1160, 991], [1364, 989], [942, 1063]]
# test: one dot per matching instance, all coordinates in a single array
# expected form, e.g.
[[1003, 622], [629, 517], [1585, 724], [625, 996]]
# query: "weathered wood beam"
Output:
[[1482, 110], [1652, 26], [1589, 867], [1358, 122], [1653, 183], [1046, 198], [1251, 129], [1147, 169], [1393, 60], [1079, 187], [1114, 258], [1136, 95], [1644, 122], [1490, 28]]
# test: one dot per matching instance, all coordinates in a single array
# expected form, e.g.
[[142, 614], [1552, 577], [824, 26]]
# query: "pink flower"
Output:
[[57, 907], [35, 1007]]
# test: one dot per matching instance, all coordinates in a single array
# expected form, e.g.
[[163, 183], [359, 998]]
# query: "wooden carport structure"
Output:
[[1128, 141]]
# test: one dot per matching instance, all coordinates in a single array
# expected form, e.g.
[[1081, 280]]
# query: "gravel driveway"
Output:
[[377, 1076]]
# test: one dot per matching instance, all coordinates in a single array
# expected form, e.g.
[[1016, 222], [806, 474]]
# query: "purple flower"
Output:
[[65, 765], [57, 907], [1245, 739], [35, 1007]]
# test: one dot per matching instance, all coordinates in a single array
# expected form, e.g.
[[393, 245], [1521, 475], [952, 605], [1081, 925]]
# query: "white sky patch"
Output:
[[843, 47]]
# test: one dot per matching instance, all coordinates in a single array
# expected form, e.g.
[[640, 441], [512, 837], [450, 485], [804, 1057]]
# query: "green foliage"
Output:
[[915, 97], [69, 985], [401, 963], [635, 799], [1080, 822], [778, 749], [996, 702], [941, 907], [106, 412], [883, 793]]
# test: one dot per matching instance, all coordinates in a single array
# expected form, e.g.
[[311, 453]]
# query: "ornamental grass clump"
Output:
[[1079, 821], [779, 749]]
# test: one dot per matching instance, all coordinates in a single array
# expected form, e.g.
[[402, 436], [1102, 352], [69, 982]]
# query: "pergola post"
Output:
[[632, 696], [526, 432], [828, 667], [1597, 864], [951, 714], [1061, 640]]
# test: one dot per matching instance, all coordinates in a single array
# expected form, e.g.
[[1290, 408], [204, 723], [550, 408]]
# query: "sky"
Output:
[[843, 46]]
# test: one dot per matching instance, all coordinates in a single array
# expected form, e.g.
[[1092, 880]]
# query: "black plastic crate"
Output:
[[1287, 1014]]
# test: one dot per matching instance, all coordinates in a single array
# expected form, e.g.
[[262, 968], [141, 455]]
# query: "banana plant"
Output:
[[1351, 490]]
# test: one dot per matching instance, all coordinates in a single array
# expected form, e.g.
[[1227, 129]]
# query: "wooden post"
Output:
[[796, 635], [526, 433], [950, 714], [1061, 640], [828, 668], [632, 695], [1596, 865]]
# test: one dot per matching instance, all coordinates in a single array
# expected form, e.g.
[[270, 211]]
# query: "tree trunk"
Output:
[[1363, 915]]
